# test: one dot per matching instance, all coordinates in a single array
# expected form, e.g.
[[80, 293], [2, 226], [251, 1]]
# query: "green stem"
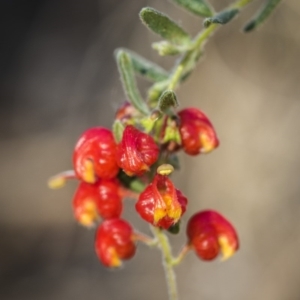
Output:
[[164, 245], [176, 261], [241, 3], [198, 42]]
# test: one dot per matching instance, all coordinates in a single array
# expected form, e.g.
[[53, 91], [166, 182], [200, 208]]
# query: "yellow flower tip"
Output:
[[56, 182], [226, 249], [207, 145], [165, 169], [89, 216], [89, 174], [158, 214], [175, 213], [115, 261]]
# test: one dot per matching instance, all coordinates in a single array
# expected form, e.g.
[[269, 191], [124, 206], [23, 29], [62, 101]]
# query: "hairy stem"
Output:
[[164, 245]]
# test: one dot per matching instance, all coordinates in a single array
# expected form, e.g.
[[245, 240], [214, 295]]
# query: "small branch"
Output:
[[149, 241], [176, 261]]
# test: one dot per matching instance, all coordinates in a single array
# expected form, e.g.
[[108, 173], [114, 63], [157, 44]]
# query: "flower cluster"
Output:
[[109, 164]]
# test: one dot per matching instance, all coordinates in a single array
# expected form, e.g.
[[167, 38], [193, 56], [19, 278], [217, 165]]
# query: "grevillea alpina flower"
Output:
[[136, 152], [114, 242], [197, 133], [94, 155], [100, 199], [210, 233], [161, 204]]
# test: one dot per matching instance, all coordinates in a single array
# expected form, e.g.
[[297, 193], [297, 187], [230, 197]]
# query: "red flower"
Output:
[[136, 152], [197, 133], [161, 204], [94, 155], [114, 242], [210, 233], [93, 200]]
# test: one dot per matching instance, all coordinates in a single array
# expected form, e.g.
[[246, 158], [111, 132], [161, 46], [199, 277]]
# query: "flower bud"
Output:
[[114, 242], [93, 200], [126, 112], [136, 152], [94, 155], [209, 233], [197, 133], [161, 204]]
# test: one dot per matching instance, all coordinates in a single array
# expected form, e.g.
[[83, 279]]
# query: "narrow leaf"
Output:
[[129, 83], [167, 100], [222, 17], [162, 25], [197, 7], [118, 129], [262, 15], [145, 67]]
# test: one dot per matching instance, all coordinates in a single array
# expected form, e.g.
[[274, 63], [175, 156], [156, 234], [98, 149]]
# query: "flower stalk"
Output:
[[164, 245]]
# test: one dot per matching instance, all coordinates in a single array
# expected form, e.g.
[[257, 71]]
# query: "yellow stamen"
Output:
[[207, 145], [169, 210], [226, 249], [115, 260], [89, 174], [90, 215]]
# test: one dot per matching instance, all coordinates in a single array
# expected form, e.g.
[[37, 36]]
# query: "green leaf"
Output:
[[172, 133], [165, 48], [118, 129], [262, 15], [145, 67], [137, 186], [197, 7], [164, 26], [222, 17], [167, 100], [129, 83]]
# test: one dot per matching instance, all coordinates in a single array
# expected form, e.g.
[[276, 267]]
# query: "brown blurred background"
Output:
[[58, 77]]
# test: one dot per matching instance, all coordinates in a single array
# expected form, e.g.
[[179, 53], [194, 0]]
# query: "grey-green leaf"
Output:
[[118, 129], [262, 15], [167, 100], [129, 83], [197, 7], [146, 68], [222, 17], [162, 25]]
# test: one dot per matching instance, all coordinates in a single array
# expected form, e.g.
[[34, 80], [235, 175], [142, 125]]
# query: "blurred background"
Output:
[[58, 77]]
